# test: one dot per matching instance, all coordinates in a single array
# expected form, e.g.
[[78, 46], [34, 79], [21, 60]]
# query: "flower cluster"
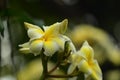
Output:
[[102, 43], [84, 61], [51, 39]]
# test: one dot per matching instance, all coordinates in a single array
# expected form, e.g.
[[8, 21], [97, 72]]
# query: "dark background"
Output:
[[102, 13]]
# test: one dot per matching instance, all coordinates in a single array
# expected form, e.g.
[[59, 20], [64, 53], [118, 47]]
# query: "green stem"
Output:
[[62, 76], [45, 68], [54, 68]]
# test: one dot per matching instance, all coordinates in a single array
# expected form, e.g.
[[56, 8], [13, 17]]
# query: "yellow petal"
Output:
[[87, 51], [36, 46], [28, 25], [96, 71], [75, 59], [50, 48], [91, 70], [84, 67], [57, 28], [52, 31], [63, 26]]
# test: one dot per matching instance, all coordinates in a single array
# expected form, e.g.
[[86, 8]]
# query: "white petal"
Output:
[[71, 68], [50, 48], [26, 45], [25, 50], [35, 33], [72, 47], [36, 46], [60, 41], [46, 28]]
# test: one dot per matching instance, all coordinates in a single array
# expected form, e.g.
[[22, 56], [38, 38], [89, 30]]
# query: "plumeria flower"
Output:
[[103, 42], [85, 62], [50, 38]]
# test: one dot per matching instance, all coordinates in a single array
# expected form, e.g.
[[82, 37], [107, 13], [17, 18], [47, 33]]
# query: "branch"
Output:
[[62, 76], [55, 67]]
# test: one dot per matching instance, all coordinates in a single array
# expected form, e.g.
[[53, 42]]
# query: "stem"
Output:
[[62, 76], [45, 68], [59, 58], [53, 69]]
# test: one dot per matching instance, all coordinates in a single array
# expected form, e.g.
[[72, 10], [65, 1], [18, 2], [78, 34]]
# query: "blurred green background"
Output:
[[103, 14]]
